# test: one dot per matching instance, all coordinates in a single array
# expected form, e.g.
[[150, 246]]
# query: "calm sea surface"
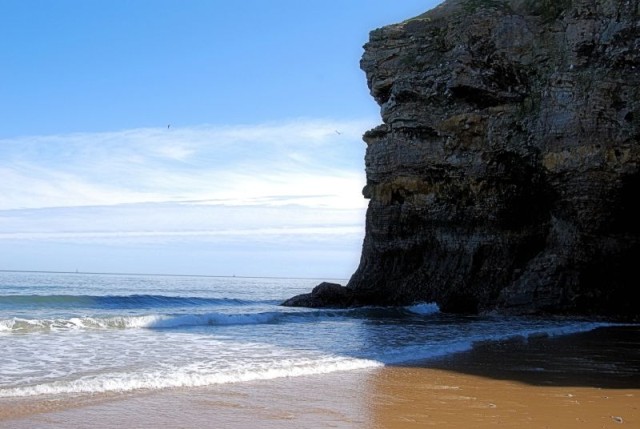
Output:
[[93, 333]]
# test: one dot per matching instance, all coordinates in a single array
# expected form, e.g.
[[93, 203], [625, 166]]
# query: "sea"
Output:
[[78, 333]]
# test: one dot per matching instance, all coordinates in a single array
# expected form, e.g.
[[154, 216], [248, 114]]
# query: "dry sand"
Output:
[[587, 380]]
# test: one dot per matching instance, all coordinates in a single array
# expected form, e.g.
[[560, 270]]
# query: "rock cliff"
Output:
[[505, 175]]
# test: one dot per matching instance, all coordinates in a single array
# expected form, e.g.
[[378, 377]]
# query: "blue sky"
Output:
[[186, 137]]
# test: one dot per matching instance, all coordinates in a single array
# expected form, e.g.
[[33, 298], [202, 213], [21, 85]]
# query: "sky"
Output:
[[186, 137]]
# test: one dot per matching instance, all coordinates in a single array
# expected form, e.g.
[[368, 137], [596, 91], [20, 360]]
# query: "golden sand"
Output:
[[418, 397]]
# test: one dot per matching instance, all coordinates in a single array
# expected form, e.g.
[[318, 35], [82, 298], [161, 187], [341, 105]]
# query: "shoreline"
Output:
[[584, 380], [605, 357]]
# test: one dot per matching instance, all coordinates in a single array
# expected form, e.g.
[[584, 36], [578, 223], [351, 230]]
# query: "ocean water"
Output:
[[96, 333]]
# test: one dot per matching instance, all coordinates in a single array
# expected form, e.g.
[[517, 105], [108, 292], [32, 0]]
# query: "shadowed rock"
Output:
[[505, 172], [324, 295]]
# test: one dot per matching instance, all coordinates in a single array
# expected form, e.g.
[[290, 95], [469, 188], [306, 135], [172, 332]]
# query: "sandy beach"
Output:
[[589, 380]]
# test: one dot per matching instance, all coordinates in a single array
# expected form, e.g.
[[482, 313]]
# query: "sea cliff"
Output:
[[505, 173]]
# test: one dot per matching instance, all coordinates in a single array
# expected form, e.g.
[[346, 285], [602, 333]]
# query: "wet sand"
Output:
[[589, 380]]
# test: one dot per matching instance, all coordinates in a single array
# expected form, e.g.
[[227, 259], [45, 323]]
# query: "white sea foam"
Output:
[[136, 361], [215, 319], [424, 308], [193, 375], [6, 325], [154, 321], [22, 325]]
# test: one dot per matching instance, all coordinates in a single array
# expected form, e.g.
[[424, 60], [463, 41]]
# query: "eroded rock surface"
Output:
[[324, 295], [505, 173]]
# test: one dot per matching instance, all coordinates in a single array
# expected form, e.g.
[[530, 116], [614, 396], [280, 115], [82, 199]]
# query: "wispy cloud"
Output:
[[168, 222], [277, 199], [319, 159]]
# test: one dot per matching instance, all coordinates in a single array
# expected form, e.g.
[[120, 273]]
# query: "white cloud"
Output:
[[187, 238], [235, 163], [276, 199], [177, 221]]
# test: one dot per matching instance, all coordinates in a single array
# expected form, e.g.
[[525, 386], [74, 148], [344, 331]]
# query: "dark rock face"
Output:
[[324, 295], [506, 171]]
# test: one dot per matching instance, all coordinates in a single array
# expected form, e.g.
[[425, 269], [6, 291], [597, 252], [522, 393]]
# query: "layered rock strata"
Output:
[[505, 175]]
